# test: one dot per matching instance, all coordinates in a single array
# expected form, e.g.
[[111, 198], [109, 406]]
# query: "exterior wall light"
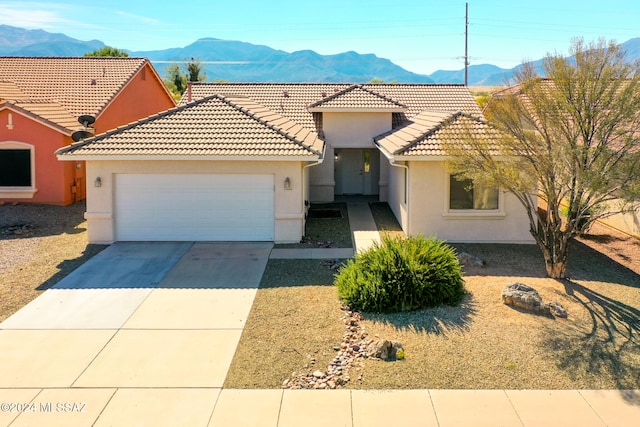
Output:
[[287, 183], [98, 182]]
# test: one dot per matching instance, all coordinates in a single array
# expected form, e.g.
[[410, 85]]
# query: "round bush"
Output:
[[402, 275]]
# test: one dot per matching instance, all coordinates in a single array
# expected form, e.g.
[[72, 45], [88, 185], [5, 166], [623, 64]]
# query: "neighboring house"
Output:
[[243, 161], [41, 100]]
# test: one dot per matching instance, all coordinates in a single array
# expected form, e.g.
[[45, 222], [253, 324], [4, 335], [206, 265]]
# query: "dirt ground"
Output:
[[482, 344], [39, 245]]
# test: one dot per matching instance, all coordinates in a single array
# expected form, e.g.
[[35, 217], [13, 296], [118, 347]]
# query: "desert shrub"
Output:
[[402, 275]]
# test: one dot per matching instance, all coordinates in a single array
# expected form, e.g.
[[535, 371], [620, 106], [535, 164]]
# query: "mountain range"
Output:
[[240, 61]]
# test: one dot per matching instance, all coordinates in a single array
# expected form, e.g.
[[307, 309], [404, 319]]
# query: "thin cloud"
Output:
[[34, 15], [144, 19]]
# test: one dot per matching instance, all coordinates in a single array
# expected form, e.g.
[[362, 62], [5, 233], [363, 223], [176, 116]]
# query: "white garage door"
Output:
[[165, 207]]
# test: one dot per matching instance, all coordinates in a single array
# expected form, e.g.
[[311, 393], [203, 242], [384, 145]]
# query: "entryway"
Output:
[[357, 171]]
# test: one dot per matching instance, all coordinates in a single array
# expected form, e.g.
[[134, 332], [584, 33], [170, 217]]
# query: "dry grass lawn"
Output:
[[481, 344], [53, 245]]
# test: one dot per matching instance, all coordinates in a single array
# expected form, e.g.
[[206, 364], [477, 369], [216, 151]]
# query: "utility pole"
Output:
[[466, 45]]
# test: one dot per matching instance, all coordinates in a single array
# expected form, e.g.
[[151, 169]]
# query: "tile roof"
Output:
[[10, 91], [78, 85], [292, 99], [215, 126], [430, 131], [357, 98]]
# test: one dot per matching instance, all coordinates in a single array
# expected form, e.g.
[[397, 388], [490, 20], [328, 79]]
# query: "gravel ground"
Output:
[[39, 245], [294, 325]]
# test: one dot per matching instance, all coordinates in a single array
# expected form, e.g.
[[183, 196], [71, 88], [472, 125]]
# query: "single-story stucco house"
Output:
[[41, 101], [243, 161]]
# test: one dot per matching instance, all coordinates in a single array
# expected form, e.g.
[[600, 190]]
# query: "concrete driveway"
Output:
[[140, 322]]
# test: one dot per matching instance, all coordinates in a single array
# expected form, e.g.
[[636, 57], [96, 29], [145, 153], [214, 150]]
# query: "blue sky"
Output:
[[421, 36]]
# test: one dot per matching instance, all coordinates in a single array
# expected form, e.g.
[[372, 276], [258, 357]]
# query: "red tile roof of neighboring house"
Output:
[[10, 91], [215, 126], [430, 132], [77, 85]]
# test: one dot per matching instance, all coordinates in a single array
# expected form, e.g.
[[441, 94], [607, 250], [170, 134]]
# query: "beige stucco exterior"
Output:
[[289, 203], [427, 212], [416, 189], [628, 223]]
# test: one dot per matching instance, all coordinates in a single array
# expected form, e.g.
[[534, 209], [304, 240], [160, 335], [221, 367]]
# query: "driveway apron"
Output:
[[134, 318]]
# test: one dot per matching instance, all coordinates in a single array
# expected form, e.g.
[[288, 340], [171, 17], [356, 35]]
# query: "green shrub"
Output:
[[402, 275]]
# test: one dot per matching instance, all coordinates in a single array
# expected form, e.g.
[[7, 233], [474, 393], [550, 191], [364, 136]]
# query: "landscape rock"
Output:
[[383, 349], [468, 259], [557, 309], [527, 298], [349, 354]]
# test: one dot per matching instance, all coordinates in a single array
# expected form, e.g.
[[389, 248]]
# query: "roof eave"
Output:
[[33, 116], [355, 110], [168, 157]]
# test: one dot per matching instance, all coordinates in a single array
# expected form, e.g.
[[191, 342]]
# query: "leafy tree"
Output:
[[379, 81], [177, 80], [570, 141], [108, 51], [195, 70]]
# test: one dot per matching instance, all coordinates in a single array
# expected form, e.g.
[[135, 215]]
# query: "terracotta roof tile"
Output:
[[52, 111], [34, 109], [359, 98], [212, 126], [291, 99], [79, 85], [10, 91], [430, 131]]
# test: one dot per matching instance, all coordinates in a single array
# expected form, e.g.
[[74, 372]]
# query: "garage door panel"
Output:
[[195, 207]]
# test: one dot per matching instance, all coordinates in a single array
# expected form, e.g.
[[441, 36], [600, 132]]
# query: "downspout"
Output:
[[392, 162], [320, 160]]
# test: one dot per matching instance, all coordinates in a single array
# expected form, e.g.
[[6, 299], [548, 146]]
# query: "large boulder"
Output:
[[524, 297], [383, 349], [527, 298]]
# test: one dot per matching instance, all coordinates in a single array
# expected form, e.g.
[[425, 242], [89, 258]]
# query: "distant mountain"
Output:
[[238, 61], [225, 60], [490, 75], [20, 42], [479, 75]]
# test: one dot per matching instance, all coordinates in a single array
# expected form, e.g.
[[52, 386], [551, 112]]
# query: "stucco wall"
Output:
[[396, 194], [628, 223], [53, 179], [429, 213], [143, 96], [289, 204]]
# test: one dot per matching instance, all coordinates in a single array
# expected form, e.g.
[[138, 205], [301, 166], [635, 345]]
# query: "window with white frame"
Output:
[[465, 195], [17, 169]]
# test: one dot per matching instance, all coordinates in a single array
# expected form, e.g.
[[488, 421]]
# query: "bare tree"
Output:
[[570, 141]]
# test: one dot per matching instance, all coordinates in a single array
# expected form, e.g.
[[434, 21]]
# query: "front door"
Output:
[[357, 171], [352, 171]]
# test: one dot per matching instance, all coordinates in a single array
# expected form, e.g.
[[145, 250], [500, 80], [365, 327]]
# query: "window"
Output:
[[367, 161], [15, 167], [17, 170], [465, 195]]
